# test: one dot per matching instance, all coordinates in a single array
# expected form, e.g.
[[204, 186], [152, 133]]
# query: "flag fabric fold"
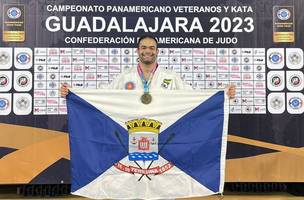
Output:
[[173, 147]]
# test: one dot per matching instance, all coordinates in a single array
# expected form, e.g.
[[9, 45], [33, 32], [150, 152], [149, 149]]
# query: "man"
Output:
[[147, 75]]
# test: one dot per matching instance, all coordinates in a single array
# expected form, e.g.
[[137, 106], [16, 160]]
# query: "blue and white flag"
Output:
[[173, 147]]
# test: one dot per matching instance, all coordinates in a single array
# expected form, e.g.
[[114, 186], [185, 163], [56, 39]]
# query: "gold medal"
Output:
[[146, 98]]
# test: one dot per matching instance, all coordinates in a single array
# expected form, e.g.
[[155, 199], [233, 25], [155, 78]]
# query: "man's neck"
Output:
[[147, 69]]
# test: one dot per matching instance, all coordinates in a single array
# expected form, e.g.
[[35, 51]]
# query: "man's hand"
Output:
[[64, 90], [230, 91]]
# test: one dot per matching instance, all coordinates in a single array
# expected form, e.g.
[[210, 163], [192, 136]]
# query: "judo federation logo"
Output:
[[143, 139], [13, 13]]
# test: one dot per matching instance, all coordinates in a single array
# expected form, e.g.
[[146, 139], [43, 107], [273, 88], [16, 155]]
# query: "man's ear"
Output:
[[137, 50]]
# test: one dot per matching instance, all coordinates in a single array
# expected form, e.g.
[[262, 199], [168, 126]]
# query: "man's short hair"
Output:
[[147, 36]]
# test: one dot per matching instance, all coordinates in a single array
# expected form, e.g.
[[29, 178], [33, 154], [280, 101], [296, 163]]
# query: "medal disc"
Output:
[[146, 98]]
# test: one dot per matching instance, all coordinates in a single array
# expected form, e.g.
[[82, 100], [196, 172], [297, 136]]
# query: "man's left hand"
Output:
[[230, 91]]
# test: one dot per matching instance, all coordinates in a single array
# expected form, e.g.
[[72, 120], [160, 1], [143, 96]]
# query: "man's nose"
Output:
[[148, 51]]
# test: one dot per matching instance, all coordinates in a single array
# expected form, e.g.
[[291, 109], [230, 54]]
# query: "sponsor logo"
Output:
[[222, 51], [13, 13], [174, 59], [189, 51], [248, 109], [90, 51], [283, 14], [52, 101], [126, 60], [39, 111], [259, 76], [23, 58], [234, 59], [22, 80], [259, 101], [127, 51], [40, 102], [40, 68], [276, 80], [4, 58], [223, 68], [246, 52], [53, 51], [259, 68], [276, 102], [40, 51], [295, 80], [235, 101], [246, 60], [102, 51], [40, 76], [222, 60], [52, 85], [211, 84], [52, 76], [78, 51], [114, 60], [78, 68], [52, 93], [294, 58], [259, 51], [90, 60], [4, 103], [259, 60], [3, 80], [65, 76], [234, 51], [40, 85], [22, 103], [65, 60], [247, 68], [114, 51], [295, 103], [186, 68], [199, 76], [90, 76], [39, 93], [210, 68], [164, 52], [235, 68], [52, 110], [211, 52], [247, 76], [40, 60], [275, 58], [260, 84]]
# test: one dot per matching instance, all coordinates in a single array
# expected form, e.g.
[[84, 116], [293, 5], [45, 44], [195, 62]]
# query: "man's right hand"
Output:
[[64, 89]]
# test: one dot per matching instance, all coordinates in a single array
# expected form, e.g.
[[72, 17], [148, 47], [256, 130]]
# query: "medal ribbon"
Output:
[[145, 82]]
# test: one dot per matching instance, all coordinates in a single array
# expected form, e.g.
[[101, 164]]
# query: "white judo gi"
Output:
[[162, 79]]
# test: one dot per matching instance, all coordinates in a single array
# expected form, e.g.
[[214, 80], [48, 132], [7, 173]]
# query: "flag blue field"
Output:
[[173, 147]]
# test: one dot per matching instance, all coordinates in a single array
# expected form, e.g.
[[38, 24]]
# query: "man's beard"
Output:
[[147, 62]]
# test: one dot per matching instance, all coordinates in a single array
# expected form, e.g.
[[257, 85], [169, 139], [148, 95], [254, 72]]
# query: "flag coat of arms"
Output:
[[173, 147]]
